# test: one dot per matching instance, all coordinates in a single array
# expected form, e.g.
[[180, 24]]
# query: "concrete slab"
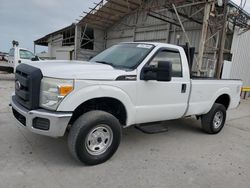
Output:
[[182, 157]]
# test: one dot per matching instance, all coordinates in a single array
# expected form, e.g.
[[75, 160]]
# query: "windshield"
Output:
[[25, 54], [125, 55]]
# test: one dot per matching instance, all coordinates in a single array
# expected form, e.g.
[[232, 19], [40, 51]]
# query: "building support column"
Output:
[[76, 41], [222, 42], [203, 37], [34, 48]]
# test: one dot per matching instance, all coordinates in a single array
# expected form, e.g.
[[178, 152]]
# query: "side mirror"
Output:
[[164, 72], [161, 73], [149, 73], [36, 58]]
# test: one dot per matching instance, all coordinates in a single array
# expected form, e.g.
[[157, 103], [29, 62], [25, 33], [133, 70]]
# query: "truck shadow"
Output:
[[54, 152]]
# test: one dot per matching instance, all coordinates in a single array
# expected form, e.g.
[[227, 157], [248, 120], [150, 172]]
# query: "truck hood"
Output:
[[78, 70]]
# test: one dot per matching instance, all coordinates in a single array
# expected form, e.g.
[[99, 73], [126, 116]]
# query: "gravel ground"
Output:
[[182, 157], [5, 75]]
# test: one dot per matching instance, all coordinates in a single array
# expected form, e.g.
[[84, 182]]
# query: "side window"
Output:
[[171, 56]]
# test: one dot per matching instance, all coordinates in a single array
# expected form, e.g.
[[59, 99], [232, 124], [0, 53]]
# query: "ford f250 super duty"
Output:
[[127, 84]]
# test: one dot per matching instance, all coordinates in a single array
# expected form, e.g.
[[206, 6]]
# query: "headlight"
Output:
[[53, 91]]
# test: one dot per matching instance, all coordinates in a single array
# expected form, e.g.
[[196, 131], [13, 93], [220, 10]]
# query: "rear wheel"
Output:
[[94, 137], [214, 120]]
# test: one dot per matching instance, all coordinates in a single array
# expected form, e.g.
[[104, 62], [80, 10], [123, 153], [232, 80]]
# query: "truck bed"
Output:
[[205, 90]]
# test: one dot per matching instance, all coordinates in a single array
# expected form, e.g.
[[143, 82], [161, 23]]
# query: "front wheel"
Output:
[[94, 137], [214, 120]]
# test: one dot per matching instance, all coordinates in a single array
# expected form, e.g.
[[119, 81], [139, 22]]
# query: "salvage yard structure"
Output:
[[207, 25]]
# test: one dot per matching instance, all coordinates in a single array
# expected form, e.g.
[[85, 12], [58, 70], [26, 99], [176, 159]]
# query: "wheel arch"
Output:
[[223, 99], [77, 99], [107, 104], [222, 96]]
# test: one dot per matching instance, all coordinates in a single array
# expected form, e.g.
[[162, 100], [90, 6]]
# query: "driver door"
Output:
[[160, 100]]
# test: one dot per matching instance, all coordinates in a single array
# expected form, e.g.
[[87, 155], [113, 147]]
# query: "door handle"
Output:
[[183, 88]]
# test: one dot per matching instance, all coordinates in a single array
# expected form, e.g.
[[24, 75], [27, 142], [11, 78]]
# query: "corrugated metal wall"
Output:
[[162, 32], [54, 43], [151, 29], [99, 45], [84, 55], [141, 27], [241, 57]]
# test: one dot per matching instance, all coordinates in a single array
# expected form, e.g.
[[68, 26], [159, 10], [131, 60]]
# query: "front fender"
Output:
[[76, 98]]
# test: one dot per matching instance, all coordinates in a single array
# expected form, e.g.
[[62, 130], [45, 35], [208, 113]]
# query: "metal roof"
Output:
[[108, 12], [242, 10], [44, 40]]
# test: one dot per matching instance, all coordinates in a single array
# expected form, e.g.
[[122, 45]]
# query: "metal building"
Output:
[[60, 43], [206, 25], [240, 67]]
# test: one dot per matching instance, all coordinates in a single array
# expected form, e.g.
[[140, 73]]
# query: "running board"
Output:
[[152, 128]]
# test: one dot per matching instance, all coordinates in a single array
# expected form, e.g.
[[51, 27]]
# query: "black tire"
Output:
[[88, 124], [207, 120]]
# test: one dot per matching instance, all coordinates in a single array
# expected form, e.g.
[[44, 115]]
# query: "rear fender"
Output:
[[220, 92]]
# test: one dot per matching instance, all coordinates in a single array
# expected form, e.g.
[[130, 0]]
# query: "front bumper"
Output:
[[55, 123]]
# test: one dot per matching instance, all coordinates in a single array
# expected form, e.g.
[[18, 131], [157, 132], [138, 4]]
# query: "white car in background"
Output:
[[20, 55]]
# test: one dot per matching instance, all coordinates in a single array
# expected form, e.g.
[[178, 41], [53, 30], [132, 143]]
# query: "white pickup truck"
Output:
[[20, 55], [127, 84]]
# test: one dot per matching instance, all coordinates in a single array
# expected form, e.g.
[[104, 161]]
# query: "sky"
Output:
[[28, 20]]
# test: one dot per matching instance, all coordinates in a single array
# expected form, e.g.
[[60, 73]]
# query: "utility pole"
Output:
[[207, 10], [222, 41]]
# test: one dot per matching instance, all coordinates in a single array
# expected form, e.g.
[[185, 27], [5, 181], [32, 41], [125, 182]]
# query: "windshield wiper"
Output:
[[106, 63], [111, 64]]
